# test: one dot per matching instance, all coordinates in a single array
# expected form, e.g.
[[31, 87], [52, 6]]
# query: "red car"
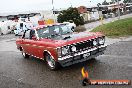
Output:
[[60, 46]]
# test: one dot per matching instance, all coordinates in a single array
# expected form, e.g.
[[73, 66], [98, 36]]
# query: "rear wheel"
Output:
[[24, 54], [52, 64]]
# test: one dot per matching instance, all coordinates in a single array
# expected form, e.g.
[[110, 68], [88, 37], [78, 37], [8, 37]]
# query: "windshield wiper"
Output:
[[67, 37]]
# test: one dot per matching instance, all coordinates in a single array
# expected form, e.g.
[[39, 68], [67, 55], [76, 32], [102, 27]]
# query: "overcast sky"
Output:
[[31, 5]]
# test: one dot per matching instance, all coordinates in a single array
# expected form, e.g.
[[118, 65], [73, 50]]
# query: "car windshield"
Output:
[[53, 31]]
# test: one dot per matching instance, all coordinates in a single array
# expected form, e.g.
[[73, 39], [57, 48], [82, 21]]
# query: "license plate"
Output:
[[86, 55]]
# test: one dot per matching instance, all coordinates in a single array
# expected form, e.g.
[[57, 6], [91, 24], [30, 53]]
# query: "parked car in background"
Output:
[[70, 24], [59, 46], [22, 26]]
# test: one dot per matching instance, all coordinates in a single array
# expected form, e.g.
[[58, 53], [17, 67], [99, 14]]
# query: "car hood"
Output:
[[73, 38]]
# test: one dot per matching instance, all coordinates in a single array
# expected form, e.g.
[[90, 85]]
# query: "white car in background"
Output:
[[21, 27], [71, 25]]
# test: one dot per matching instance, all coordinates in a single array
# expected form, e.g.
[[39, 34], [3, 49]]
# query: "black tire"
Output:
[[73, 27], [16, 34], [52, 64], [24, 54]]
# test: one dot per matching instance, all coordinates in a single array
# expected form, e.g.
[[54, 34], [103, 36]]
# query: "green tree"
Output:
[[70, 14]]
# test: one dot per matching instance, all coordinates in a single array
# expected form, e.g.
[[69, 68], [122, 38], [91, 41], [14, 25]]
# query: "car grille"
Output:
[[83, 45]]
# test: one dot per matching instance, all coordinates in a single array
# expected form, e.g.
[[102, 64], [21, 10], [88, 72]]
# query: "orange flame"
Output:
[[84, 73]]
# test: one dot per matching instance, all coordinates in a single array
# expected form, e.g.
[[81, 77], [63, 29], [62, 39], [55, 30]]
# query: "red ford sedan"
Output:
[[60, 46]]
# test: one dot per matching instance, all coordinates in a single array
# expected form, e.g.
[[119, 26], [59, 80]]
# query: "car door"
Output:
[[34, 44], [27, 42]]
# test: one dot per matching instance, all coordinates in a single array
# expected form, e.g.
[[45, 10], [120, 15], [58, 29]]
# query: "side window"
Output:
[[45, 31], [32, 34], [27, 34]]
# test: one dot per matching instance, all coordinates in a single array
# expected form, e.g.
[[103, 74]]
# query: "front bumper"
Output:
[[79, 57]]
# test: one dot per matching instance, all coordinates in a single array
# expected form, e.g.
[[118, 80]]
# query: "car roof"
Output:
[[47, 25]]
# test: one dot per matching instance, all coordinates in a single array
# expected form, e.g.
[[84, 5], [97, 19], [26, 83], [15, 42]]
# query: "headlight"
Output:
[[101, 40], [95, 43], [65, 50], [73, 48]]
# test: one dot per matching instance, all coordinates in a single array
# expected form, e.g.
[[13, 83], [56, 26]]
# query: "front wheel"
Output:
[[24, 54], [52, 64]]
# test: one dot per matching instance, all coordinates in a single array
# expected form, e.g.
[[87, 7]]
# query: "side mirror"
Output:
[[34, 38]]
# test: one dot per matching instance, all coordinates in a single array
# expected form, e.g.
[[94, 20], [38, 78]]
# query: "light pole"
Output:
[[71, 4], [118, 9], [53, 10]]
